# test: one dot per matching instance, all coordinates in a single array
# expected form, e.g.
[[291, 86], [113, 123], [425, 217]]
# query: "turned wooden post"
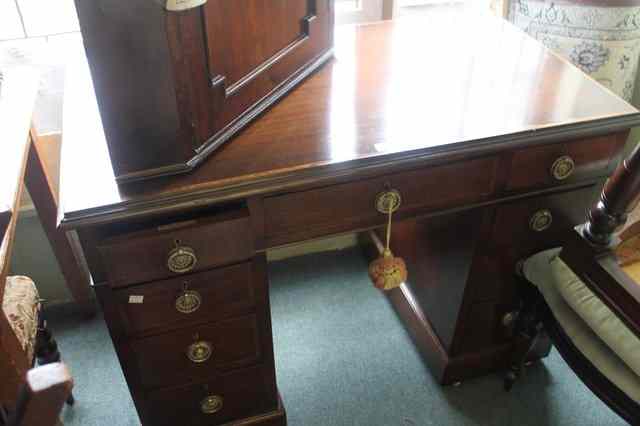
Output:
[[619, 197]]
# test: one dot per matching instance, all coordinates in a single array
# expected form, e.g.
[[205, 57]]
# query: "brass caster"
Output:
[[456, 384]]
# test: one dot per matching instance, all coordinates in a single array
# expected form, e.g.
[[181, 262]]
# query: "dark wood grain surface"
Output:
[[180, 84], [386, 99]]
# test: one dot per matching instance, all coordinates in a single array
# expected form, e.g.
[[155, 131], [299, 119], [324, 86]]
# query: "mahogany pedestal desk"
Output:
[[496, 146]]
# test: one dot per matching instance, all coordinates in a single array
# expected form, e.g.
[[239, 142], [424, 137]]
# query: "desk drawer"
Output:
[[198, 352], [349, 206], [514, 239], [240, 394], [177, 249], [562, 162], [188, 300], [534, 222]]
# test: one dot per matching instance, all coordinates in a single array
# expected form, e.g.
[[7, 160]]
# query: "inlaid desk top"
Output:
[[397, 93]]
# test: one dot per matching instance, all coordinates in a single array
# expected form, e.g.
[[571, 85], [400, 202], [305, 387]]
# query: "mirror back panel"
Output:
[[173, 86]]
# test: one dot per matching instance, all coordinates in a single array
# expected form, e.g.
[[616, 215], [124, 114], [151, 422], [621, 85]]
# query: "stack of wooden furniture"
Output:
[[495, 145], [17, 333], [28, 396]]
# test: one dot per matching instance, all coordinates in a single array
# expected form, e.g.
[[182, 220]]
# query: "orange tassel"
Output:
[[387, 271]]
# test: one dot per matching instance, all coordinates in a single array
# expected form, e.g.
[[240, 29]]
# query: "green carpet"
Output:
[[343, 358]]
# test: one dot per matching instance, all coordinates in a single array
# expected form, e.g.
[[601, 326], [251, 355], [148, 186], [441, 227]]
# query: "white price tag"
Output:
[[136, 299], [176, 5]]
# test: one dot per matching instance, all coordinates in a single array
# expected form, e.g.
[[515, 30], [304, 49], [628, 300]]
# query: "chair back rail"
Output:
[[42, 396]]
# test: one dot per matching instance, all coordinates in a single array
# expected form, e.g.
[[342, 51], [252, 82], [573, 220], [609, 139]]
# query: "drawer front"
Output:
[[562, 162], [173, 250], [240, 394], [198, 352], [535, 222], [323, 211], [188, 300], [513, 239]]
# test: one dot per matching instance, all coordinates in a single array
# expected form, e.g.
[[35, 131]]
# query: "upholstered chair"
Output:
[[587, 303]]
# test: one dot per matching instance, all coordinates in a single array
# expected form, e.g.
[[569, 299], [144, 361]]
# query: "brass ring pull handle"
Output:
[[541, 220], [388, 201], [199, 351], [563, 167], [189, 301], [211, 404], [181, 259]]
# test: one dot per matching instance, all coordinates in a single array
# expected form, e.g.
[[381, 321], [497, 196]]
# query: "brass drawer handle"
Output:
[[211, 404], [563, 167], [388, 201], [181, 259], [189, 301], [200, 351], [541, 220]]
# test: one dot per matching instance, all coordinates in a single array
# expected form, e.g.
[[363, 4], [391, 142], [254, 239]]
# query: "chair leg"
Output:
[[47, 348], [525, 343], [527, 331]]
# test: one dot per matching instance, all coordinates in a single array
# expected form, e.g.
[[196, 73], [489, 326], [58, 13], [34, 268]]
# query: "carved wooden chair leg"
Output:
[[525, 343], [46, 349], [527, 331]]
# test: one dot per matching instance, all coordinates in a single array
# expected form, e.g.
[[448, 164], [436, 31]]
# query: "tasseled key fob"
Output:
[[387, 271]]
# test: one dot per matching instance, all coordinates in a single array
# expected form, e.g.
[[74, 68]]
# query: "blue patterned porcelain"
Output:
[[602, 41]]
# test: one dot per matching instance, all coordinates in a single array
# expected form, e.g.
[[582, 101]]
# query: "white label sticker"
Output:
[[177, 5], [136, 299]]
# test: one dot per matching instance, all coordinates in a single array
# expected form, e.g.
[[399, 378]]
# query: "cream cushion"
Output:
[[597, 315], [546, 271], [21, 304]]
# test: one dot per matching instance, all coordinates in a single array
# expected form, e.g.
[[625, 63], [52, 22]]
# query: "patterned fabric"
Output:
[[21, 305], [602, 41]]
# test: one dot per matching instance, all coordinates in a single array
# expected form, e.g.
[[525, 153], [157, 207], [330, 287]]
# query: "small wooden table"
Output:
[[496, 145]]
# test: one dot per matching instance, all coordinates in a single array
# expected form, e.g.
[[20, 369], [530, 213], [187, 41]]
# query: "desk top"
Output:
[[404, 91]]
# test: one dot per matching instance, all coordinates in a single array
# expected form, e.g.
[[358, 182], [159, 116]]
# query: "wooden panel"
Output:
[[252, 52], [162, 360], [531, 167], [267, 26], [142, 256], [481, 327], [441, 266], [130, 60], [173, 86], [223, 292], [244, 392], [345, 207]]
